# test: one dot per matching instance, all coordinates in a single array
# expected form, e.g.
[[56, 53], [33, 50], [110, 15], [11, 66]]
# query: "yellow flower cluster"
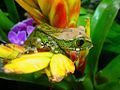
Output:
[[56, 66]]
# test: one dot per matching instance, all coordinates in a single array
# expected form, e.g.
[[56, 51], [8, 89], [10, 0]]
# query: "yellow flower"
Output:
[[56, 66], [58, 13]]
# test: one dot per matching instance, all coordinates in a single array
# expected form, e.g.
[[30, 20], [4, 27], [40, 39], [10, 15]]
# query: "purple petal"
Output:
[[30, 29], [20, 31], [12, 36], [28, 21], [19, 27], [22, 37]]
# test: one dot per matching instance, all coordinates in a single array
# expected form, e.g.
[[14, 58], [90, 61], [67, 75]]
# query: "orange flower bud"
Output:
[[58, 13]]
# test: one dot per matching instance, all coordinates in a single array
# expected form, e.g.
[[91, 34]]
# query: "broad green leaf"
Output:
[[40, 80], [112, 42], [111, 72], [12, 10], [115, 85], [5, 23], [31, 78], [100, 25]]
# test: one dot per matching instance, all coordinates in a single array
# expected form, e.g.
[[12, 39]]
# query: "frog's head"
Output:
[[74, 48], [77, 50], [74, 40], [77, 44]]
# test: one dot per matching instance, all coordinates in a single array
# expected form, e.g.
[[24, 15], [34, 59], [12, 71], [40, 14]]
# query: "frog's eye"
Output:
[[79, 42]]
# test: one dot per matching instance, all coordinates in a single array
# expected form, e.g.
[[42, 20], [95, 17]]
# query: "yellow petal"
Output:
[[48, 73], [45, 6], [87, 27], [60, 65], [39, 55], [8, 53], [16, 47], [69, 65], [32, 3], [31, 10], [57, 68], [27, 65], [74, 9]]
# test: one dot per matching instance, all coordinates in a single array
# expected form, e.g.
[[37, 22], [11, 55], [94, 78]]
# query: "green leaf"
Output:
[[83, 11], [3, 35], [41, 80], [85, 1], [111, 72], [87, 84], [82, 19], [112, 42], [109, 77], [63, 85], [5, 23], [109, 86], [11, 8], [84, 14], [100, 25]]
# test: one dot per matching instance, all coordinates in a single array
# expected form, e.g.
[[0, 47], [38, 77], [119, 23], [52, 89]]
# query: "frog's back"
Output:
[[63, 34]]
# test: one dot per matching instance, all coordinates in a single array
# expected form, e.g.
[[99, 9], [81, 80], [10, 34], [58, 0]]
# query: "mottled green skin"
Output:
[[44, 36]]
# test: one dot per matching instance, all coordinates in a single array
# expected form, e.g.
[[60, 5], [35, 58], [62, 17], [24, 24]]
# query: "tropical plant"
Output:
[[103, 60]]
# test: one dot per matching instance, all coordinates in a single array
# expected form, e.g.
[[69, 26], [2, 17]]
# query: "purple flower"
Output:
[[20, 32]]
